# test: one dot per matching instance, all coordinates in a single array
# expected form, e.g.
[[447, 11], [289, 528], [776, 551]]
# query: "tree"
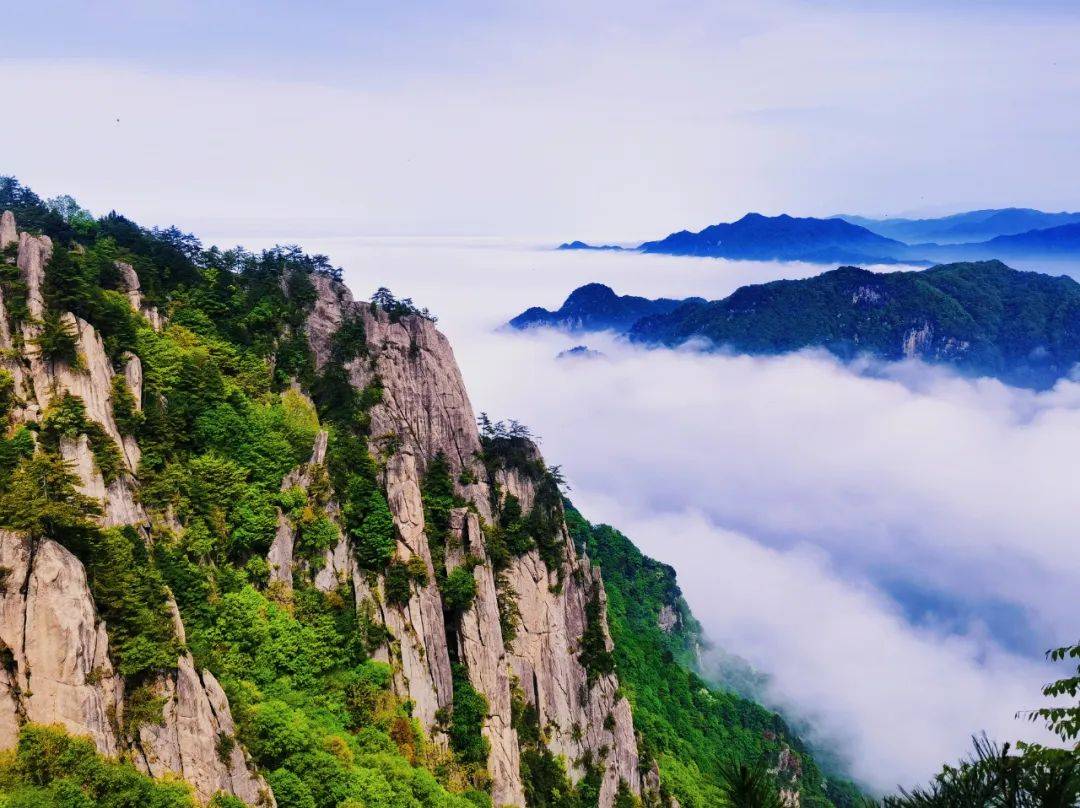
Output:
[[375, 537], [1064, 721], [749, 787], [42, 500]]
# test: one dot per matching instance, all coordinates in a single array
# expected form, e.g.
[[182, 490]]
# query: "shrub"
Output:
[[7, 394], [376, 535], [467, 720], [126, 413], [50, 768], [459, 590], [397, 584], [57, 341]]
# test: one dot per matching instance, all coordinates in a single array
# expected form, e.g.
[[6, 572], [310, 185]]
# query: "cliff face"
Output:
[[425, 413], [523, 641], [54, 647]]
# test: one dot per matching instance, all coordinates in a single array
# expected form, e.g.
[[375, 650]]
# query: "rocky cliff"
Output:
[[54, 646], [425, 413], [531, 638]]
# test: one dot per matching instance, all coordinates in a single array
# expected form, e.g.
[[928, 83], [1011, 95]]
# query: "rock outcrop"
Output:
[[424, 412], [53, 649], [55, 665]]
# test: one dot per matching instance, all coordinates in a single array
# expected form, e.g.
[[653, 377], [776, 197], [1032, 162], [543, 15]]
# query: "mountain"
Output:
[[595, 307], [1053, 242], [254, 549], [581, 245], [982, 318], [783, 238], [970, 226]]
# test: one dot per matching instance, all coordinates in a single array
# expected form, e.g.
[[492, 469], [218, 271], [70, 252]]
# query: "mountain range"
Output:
[[233, 571], [1015, 233], [983, 318], [959, 228]]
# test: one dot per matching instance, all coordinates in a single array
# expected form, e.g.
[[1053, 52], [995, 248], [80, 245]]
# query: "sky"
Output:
[[894, 546], [548, 120]]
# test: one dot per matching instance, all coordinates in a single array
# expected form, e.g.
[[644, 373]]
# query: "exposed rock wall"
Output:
[[425, 412], [54, 658], [55, 652]]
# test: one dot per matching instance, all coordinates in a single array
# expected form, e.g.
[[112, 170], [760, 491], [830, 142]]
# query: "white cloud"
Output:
[[612, 121], [895, 548], [895, 700]]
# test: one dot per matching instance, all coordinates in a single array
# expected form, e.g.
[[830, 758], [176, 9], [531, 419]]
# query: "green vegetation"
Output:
[[1030, 774], [983, 317], [466, 720], [220, 427], [693, 730], [50, 769]]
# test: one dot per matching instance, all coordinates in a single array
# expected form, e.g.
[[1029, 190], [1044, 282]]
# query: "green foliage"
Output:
[[14, 291], [41, 499], [593, 655], [50, 769], [1063, 719], [688, 727], [747, 787], [7, 395], [467, 720], [1019, 326], [66, 418], [397, 584], [384, 299], [459, 590], [125, 411], [375, 537], [318, 536], [57, 341], [132, 598], [995, 776], [13, 449], [543, 775]]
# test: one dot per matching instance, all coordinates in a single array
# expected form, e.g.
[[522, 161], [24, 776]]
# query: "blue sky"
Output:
[[547, 120]]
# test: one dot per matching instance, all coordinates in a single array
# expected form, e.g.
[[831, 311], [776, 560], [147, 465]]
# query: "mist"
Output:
[[891, 544]]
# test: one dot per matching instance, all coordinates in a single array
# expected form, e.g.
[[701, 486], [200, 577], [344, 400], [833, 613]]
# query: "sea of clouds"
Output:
[[893, 545]]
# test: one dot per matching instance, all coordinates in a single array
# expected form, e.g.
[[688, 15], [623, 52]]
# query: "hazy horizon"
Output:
[[550, 121]]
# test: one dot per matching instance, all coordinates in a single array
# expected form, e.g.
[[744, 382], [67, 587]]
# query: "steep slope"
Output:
[[595, 307], [983, 318], [279, 489], [690, 728], [253, 540]]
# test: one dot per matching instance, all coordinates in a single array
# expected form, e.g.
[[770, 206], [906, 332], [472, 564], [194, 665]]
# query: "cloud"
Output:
[[608, 121], [894, 700], [893, 545]]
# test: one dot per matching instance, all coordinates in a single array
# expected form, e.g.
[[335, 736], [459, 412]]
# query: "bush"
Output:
[[459, 590], [57, 341], [397, 584], [467, 720], [376, 535], [7, 395], [126, 413], [53, 770]]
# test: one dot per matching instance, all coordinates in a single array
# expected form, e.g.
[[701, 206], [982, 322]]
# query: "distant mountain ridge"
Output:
[[1019, 233], [960, 228], [983, 318], [784, 238], [596, 307]]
